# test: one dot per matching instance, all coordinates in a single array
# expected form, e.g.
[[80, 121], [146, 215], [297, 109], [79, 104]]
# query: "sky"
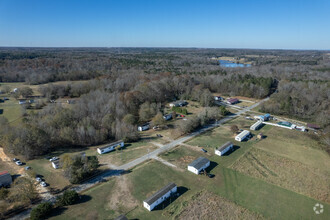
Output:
[[264, 24]]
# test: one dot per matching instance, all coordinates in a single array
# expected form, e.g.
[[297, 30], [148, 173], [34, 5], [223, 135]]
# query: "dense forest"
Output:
[[123, 87]]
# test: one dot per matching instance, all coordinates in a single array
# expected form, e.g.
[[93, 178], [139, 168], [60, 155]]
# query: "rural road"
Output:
[[153, 154]]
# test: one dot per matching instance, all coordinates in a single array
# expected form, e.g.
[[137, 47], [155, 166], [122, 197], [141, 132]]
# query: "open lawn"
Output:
[[240, 191], [11, 109]]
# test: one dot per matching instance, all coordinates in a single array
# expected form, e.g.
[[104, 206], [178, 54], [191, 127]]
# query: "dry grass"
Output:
[[205, 205], [286, 173]]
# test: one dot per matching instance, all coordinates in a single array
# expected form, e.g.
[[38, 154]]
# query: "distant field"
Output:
[[11, 109]]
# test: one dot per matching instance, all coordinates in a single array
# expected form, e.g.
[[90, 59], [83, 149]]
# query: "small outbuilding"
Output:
[[180, 103], [232, 101], [260, 136], [224, 148], [144, 127], [198, 165], [256, 125], [110, 147], [22, 101], [160, 196], [313, 126], [167, 117], [241, 136], [218, 98], [5, 179]]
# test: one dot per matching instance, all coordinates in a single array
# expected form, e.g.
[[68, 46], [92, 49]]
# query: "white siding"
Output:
[[242, 135], [220, 153], [160, 200], [195, 171]]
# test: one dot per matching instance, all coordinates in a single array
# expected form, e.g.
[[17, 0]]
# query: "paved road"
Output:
[[144, 158]]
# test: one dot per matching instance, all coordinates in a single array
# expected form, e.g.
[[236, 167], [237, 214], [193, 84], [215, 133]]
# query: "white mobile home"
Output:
[[110, 147], [256, 125], [144, 127], [198, 165], [224, 148], [160, 196], [56, 164], [242, 135]]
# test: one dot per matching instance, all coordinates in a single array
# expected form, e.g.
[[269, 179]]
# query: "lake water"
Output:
[[226, 63]]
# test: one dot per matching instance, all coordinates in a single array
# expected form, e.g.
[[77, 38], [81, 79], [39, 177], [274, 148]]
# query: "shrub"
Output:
[[41, 211], [68, 198]]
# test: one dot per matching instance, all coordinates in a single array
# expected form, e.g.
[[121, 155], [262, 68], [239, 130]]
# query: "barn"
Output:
[[198, 165], [144, 127], [160, 196], [256, 125], [241, 136], [5, 179], [224, 148], [110, 147]]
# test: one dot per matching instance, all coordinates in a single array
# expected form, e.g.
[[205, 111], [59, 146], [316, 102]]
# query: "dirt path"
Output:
[[7, 160], [3, 156]]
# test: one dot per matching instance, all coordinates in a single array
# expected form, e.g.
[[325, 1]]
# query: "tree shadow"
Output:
[[15, 176], [180, 191], [83, 199], [56, 211]]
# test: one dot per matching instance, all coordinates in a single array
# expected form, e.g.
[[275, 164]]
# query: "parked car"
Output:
[[205, 151], [19, 163], [38, 179], [27, 168], [15, 159], [53, 159], [43, 184]]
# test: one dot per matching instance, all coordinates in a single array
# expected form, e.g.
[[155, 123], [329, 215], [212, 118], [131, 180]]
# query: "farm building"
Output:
[[121, 217], [179, 103], [241, 136], [110, 147], [198, 165], [5, 179], [264, 117], [224, 148], [160, 196], [144, 127], [167, 117], [56, 164], [256, 125], [232, 101], [218, 98]]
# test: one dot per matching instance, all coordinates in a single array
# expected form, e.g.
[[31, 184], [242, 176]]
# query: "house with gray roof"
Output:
[[198, 165], [224, 148], [160, 196]]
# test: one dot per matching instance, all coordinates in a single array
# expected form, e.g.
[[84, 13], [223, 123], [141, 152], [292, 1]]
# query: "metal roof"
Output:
[[111, 144], [3, 173], [243, 133], [199, 162], [224, 146], [160, 193]]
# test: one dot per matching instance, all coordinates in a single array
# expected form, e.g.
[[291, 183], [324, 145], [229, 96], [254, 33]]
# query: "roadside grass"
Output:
[[286, 173], [256, 195]]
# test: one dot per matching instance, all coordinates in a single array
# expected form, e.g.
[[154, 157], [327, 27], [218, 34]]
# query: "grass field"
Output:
[[11, 109], [258, 196]]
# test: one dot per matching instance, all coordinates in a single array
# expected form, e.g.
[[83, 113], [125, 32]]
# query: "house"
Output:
[[313, 126], [264, 117], [121, 217], [22, 101], [179, 103], [198, 165], [5, 179], [232, 101], [160, 196], [218, 98], [110, 147], [56, 164], [144, 127], [167, 117], [301, 128], [224, 148], [241, 136], [256, 125]]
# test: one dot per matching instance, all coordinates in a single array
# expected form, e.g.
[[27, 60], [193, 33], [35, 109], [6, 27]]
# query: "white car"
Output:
[[38, 179], [19, 163], [44, 184]]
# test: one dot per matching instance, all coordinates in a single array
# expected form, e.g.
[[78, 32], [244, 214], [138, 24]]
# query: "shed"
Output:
[[167, 117], [160, 196], [224, 148], [5, 179], [110, 147], [241, 136], [198, 165], [56, 164], [144, 127]]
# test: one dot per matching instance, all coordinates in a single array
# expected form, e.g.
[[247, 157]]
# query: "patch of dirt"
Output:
[[121, 195], [93, 215], [187, 159], [7, 160], [206, 205], [3, 156]]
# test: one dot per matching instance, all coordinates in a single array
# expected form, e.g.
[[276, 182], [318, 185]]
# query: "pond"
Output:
[[226, 63]]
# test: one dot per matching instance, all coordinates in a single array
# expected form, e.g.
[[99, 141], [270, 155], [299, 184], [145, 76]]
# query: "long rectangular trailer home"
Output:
[[198, 165], [256, 125], [110, 147], [241, 136], [224, 148], [160, 196]]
